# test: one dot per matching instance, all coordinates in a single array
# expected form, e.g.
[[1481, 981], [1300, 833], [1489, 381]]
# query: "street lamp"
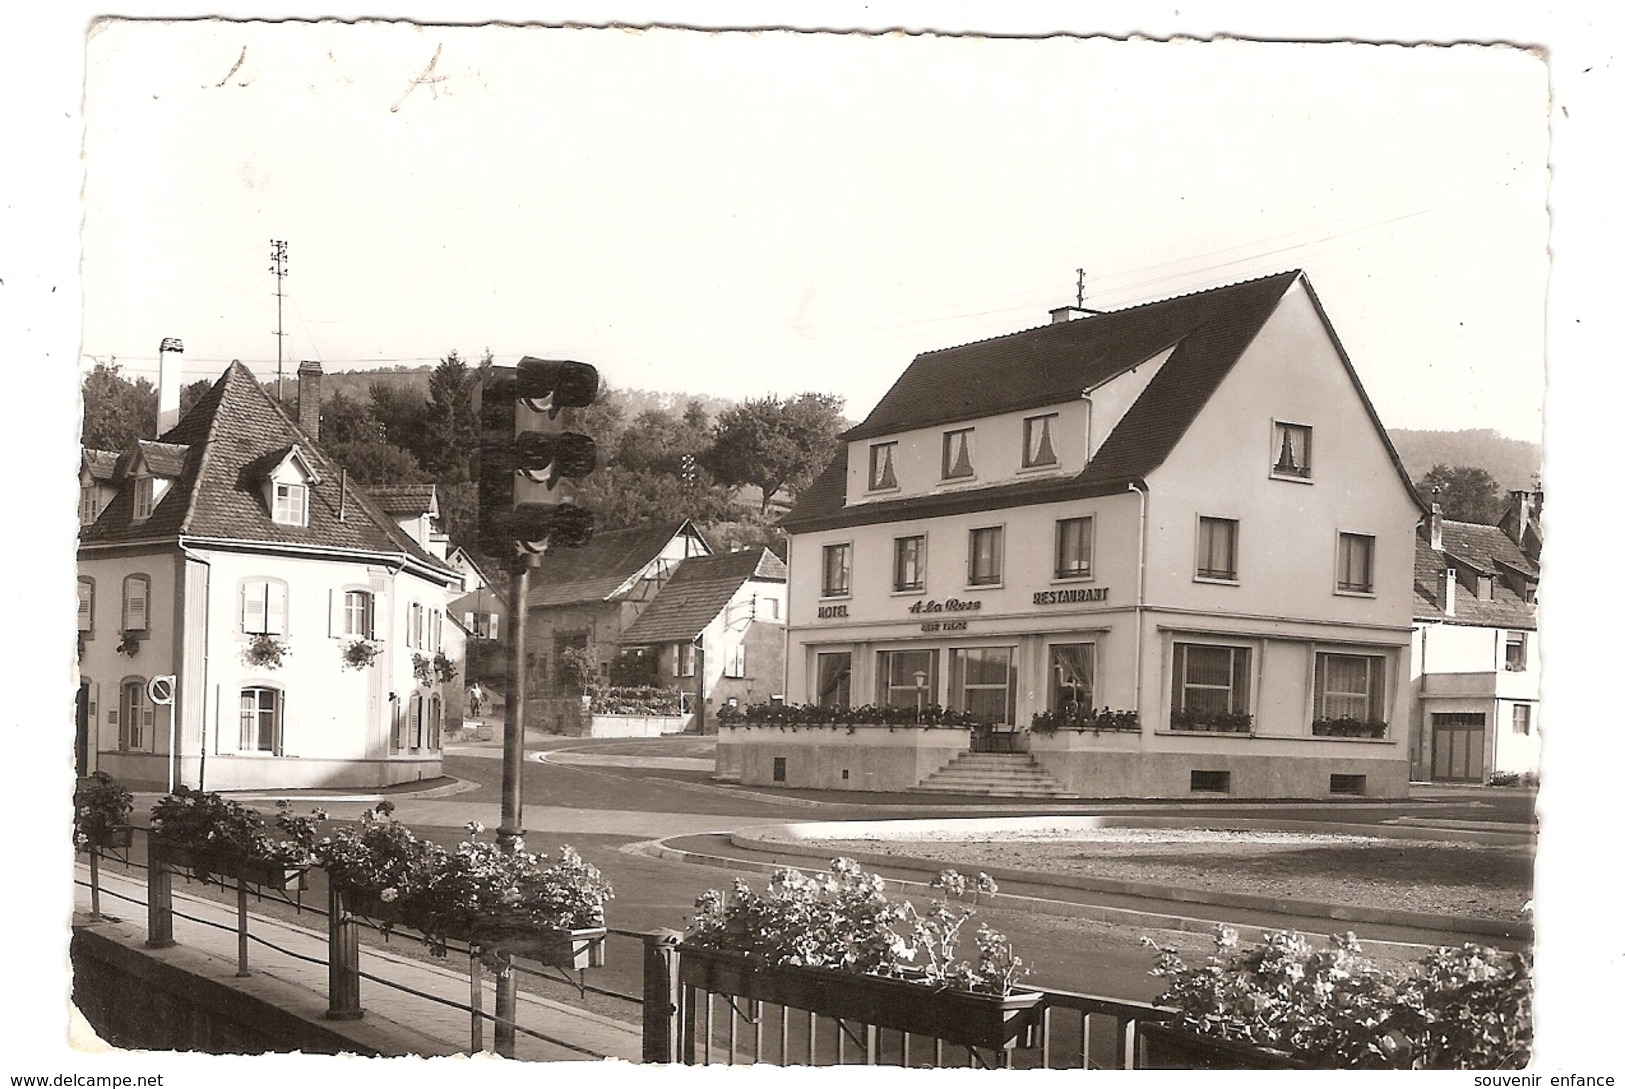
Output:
[[919, 693]]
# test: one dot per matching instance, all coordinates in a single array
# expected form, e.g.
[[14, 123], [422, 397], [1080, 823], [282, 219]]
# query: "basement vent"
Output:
[[1210, 782], [846, 773], [1348, 784], [778, 769]]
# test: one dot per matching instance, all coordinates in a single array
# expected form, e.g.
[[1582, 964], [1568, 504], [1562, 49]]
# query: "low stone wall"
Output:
[[179, 999], [874, 758], [637, 725]]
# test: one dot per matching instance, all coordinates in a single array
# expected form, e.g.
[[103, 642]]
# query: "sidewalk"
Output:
[[396, 1021]]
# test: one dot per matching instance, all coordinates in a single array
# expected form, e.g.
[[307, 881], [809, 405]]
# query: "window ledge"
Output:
[[1369, 595], [1291, 479], [1047, 467], [913, 591], [1210, 581], [971, 587], [1070, 580]]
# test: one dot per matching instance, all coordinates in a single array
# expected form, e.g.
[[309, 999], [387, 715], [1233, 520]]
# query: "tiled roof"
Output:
[[1503, 609], [604, 567], [699, 590], [217, 492], [1208, 331], [101, 463], [403, 499], [1483, 547], [165, 459]]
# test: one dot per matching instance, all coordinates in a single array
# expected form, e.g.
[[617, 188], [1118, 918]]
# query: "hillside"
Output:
[[1514, 464]]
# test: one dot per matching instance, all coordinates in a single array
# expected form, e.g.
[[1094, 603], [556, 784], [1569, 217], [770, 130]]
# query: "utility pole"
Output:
[[279, 269], [1080, 289]]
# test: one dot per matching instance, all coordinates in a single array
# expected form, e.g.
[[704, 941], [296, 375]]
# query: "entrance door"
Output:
[[1458, 747]]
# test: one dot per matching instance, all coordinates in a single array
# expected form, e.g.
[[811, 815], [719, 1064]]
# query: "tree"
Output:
[[402, 414], [192, 393], [376, 462], [117, 411], [1465, 493], [775, 444], [451, 431], [346, 419]]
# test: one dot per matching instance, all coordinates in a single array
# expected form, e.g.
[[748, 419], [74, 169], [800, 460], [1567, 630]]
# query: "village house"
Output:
[[1475, 660], [303, 626], [1187, 510]]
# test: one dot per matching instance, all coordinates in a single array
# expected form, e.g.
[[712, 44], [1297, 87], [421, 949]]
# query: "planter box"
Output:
[[956, 1017], [557, 948], [114, 838], [271, 875]]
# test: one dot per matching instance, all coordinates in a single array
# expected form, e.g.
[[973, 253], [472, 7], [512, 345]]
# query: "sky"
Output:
[[765, 213], [752, 214]]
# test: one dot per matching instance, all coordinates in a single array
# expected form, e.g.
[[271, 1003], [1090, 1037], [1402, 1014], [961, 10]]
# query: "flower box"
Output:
[[1348, 727], [117, 837], [555, 947], [967, 1018], [252, 871]]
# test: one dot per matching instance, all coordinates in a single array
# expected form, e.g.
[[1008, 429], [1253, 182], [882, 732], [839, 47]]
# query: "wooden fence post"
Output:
[[661, 999], [160, 902]]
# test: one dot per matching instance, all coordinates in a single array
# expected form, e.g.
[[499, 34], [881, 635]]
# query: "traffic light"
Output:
[[530, 460]]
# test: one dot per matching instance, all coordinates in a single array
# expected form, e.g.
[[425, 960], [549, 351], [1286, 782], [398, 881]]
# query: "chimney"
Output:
[[169, 384], [310, 398], [1447, 591], [1063, 314], [1436, 528]]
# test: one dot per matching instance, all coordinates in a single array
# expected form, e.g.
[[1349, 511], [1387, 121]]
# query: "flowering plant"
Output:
[[1348, 726], [1466, 1007], [265, 651], [445, 670], [809, 714], [217, 829], [100, 807], [360, 653], [128, 644], [842, 920], [428, 669], [640, 700], [479, 893], [1075, 716], [1218, 722]]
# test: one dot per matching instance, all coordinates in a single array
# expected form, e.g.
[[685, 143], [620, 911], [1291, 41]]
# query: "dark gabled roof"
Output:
[[1208, 332], [403, 499], [219, 451], [1504, 608], [699, 590], [1483, 548], [165, 459], [101, 463], [605, 567]]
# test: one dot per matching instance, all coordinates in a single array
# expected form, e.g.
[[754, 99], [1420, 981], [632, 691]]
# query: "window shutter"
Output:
[[87, 592], [135, 604], [146, 721], [496, 621], [253, 607], [335, 612], [276, 608]]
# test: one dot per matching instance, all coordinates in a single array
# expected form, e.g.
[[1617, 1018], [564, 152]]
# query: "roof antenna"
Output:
[[1080, 289]]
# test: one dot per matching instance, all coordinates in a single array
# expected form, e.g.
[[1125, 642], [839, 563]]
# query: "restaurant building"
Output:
[[1186, 509]]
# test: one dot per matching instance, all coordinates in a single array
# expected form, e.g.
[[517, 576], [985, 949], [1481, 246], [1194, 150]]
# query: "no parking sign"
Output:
[[161, 689]]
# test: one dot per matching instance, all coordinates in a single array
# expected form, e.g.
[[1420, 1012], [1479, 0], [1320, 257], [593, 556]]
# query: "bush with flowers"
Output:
[[479, 893], [216, 828], [101, 810], [1467, 1007], [842, 920]]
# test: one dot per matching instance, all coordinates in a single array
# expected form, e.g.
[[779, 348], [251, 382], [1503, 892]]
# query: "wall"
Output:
[[874, 758]]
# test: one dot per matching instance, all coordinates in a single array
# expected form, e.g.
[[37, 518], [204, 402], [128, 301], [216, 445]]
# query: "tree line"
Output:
[[725, 470]]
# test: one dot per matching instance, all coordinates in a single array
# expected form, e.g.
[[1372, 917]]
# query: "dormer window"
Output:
[[145, 497], [90, 504], [956, 455], [1038, 447], [882, 467], [1290, 451], [290, 504]]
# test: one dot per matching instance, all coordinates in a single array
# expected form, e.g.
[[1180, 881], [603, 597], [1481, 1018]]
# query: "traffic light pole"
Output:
[[513, 713]]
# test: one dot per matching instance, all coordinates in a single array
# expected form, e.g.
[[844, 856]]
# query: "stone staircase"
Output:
[[1000, 775]]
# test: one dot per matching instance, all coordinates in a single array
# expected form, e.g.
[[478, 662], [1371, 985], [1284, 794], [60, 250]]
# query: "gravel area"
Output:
[[1488, 882]]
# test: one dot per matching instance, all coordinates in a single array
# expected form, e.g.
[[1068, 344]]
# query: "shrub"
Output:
[[1077, 717], [1467, 1007], [213, 827], [638, 700], [100, 806]]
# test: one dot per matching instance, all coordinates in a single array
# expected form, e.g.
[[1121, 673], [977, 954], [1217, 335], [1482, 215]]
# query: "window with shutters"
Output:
[[259, 720], [133, 616], [264, 607], [683, 660], [355, 614], [87, 606], [134, 716]]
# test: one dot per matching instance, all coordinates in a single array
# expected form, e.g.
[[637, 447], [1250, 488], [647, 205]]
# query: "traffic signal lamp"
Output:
[[530, 460]]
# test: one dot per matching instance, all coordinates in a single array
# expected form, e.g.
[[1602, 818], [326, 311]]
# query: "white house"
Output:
[[1186, 509], [1475, 660], [300, 622]]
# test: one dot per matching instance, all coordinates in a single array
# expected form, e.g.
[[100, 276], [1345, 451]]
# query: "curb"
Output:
[[1091, 912], [1352, 913]]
